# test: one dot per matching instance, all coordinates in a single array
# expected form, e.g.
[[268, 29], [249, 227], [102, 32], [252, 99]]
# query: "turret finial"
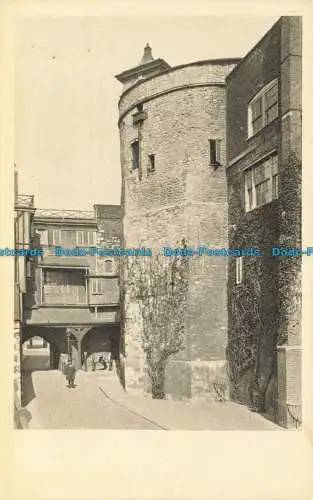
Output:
[[147, 55]]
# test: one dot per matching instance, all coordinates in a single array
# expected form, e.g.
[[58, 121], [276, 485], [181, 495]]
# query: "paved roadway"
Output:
[[54, 406]]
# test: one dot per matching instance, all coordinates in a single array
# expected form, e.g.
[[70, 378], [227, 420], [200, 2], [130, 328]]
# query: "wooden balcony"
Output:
[[64, 299], [72, 295]]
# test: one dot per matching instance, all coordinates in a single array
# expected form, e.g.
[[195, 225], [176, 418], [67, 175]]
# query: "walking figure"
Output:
[[70, 374], [110, 361]]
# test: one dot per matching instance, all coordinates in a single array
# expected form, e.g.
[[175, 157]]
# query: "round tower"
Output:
[[172, 134]]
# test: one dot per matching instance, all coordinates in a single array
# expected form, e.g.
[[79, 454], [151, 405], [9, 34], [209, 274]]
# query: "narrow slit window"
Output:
[[151, 164], [215, 151], [135, 154]]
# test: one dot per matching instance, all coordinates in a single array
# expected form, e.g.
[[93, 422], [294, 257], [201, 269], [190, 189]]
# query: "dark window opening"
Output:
[[215, 152], [135, 154], [151, 165]]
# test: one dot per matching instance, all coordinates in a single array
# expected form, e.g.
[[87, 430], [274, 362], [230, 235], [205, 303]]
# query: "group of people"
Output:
[[107, 361], [70, 369]]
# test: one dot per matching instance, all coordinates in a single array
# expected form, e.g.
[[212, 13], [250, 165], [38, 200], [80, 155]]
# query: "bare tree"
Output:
[[159, 285]]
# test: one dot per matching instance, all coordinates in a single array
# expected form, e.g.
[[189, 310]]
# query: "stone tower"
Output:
[[172, 136]]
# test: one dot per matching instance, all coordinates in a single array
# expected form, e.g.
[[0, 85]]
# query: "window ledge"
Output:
[[74, 305], [261, 206], [261, 129], [102, 275]]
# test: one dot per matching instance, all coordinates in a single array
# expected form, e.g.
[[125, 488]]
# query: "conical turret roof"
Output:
[[147, 55]]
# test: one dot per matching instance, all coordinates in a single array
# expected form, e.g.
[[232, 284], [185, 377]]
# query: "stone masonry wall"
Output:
[[185, 197]]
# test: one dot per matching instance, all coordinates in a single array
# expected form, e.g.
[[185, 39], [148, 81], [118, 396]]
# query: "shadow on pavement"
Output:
[[30, 364], [28, 392]]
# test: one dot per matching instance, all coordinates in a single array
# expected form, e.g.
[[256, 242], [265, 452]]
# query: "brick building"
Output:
[[72, 301], [264, 197], [172, 135]]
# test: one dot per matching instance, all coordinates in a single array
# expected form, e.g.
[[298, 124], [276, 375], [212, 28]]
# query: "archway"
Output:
[[37, 354], [55, 338], [101, 351], [95, 344]]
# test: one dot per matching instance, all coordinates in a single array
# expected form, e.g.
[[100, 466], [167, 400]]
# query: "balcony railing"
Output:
[[24, 201], [64, 214], [64, 299], [50, 250]]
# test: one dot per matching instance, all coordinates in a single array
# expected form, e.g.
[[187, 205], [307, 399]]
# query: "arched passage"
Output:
[[36, 357], [99, 341], [43, 355], [54, 337]]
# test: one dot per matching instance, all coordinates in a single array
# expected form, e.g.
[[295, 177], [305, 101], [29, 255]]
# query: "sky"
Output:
[[66, 97]]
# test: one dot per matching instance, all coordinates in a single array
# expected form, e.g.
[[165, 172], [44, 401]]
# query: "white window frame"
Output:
[[90, 238], [273, 178], [96, 286], [261, 96], [239, 270], [54, 233]]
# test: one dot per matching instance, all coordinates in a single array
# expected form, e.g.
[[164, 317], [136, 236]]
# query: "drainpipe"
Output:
[[139, 153]]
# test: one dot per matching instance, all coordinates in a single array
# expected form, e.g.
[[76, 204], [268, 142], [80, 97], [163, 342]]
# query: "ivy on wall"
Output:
[[290, 236], [159, 286], [266, 307], [252, 305]]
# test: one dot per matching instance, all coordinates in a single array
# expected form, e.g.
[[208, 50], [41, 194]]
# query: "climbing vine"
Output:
[[253, 304], [290, 236], [159, 286]]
